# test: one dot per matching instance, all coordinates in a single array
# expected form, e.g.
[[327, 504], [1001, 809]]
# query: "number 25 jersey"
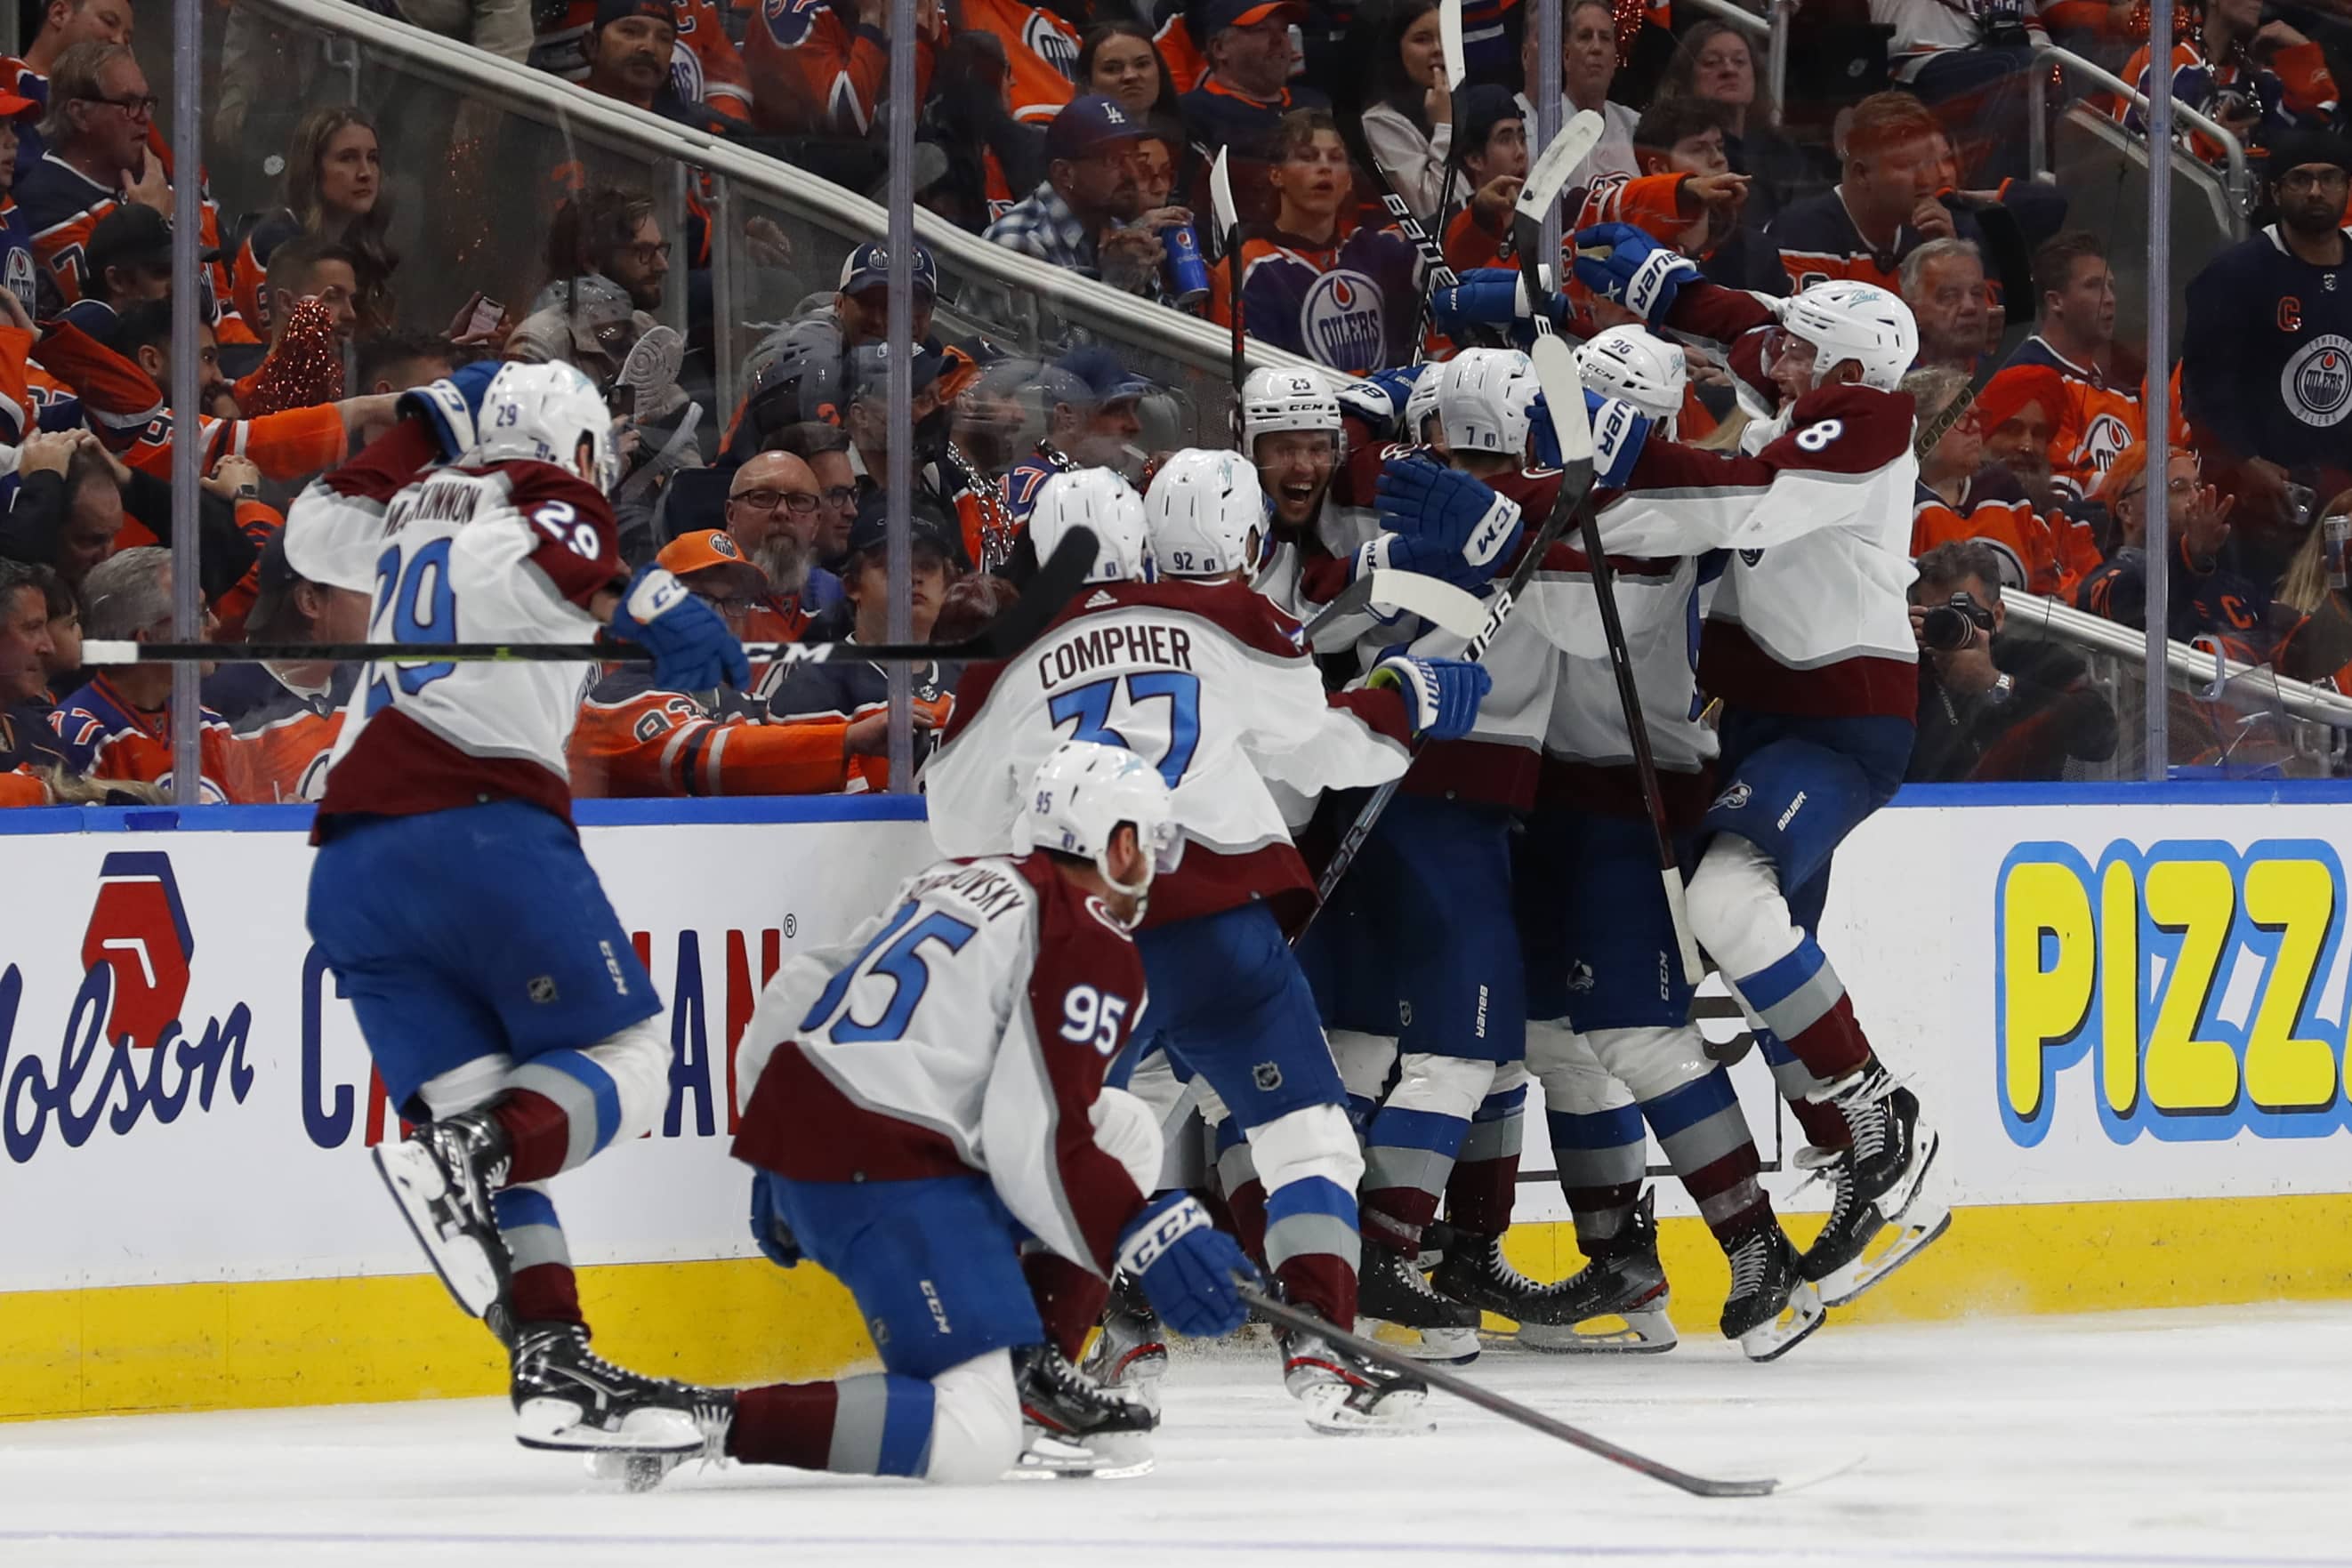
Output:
[[966, 1027], [510, 552]]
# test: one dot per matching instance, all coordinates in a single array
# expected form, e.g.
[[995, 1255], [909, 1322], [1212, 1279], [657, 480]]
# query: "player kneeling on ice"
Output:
[[924, 1099], [1201, 676], [506, 1012]]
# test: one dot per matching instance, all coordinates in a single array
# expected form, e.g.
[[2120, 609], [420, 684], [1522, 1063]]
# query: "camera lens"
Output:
[[1946, 629]]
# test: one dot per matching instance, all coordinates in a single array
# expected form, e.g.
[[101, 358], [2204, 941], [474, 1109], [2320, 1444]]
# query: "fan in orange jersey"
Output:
[[704, 66], [2094, 419], [2259, 80], [2041, 549], [813, 74], [286, 717], [635, 738]]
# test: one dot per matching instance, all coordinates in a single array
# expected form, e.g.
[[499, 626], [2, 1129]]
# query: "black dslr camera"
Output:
[[1954, 624]]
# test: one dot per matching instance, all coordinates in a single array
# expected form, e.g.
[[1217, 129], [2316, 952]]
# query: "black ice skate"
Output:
[[1474, 1273], [1772, 1306], [1616, 1304], [1343, 1394], [639, 1470], [442, 1175], [568, 1396], [1880, 1217], [1128, 1354], [1072, 1426], [1393, 1291]]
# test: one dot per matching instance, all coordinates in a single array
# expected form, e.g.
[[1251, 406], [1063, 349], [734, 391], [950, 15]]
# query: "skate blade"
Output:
[[1647, 1333], [1050, 1457], [1796, 1323], [1453, 1347], [559, 1424], [1895, 1204], [634, 1471], [467, 1269], [1400, 1415], [1894, 1246]]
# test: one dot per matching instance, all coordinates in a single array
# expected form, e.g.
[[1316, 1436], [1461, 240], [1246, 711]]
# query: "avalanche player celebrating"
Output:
[[924, 1097], [506, 1012], [1208, 681], [1810, 652]]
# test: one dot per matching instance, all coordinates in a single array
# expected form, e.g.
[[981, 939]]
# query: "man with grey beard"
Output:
[[773, 512]]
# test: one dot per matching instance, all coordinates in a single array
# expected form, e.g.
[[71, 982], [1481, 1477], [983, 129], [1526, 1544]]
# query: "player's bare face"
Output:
[[1126, 73], [1789, 361], [25, 645], [351, 172], [1313, 183], [1295, 467]]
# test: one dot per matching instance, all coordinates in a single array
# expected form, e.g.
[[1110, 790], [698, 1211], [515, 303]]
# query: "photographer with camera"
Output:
[[1994, 707]]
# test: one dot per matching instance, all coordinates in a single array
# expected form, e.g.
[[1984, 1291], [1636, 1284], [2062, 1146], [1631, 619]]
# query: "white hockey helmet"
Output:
[[1843, 319], [1100, 499], [1207, 514], [1275, 400], [1082, 792], [542, 413], [1419, 404], [1483, 398], [1638, 367]]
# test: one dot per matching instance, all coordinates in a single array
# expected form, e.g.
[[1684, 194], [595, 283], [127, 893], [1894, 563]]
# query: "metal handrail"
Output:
[[2198, 670], [1773, 28], [622, 128], [2239, 179]]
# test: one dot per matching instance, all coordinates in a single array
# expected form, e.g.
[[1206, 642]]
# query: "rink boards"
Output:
[[2125, 1008]]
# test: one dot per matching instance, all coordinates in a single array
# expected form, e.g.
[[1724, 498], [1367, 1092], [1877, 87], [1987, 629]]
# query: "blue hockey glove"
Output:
[[1379, 398], [768, 1228], [692, 649], [451, 405], [1486, 297], [1186, 1266], [1619, 432], [1441, 695], [1543, 441], [1638, 272], [1445, 511]]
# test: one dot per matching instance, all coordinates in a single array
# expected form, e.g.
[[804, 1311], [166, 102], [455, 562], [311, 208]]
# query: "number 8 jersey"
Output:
[[510, 552], [968, 1026], [1210, 683]]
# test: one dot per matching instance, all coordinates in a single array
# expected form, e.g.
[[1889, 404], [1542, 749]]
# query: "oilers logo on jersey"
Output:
[[1343, 319], [20, 280], [2104, 442], [1050, 43], [2317, 382]]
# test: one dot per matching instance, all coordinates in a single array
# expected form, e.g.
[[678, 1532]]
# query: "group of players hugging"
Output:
[[958, 1110]]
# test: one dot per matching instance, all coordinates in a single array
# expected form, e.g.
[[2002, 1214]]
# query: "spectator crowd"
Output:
[[1081, 135]]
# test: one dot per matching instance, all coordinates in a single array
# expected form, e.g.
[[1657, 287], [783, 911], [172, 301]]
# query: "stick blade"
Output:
[[1220, 197], [1545, 182], [1450, 44], [1016, 626], [1563, 389]]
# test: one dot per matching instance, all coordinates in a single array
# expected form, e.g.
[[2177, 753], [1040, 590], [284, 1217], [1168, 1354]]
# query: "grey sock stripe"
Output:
[[860, 1406]]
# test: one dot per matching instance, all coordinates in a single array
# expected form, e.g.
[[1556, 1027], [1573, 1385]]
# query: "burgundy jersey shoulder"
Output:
[[1844, 429]]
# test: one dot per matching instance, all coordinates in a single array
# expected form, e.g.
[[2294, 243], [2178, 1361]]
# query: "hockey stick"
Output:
[[1291, 1318], [1574, 143], [1575, 484], [1061, 576], [1556, 368], [1229, 228], [1436, 601]]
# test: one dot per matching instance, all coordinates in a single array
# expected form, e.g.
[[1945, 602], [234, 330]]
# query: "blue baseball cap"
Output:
[[869, 267], [1087, 125], [1105, 379]]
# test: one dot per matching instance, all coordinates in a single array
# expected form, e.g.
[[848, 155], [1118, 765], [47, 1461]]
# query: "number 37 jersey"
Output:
[[967, 1027], [512, 552]]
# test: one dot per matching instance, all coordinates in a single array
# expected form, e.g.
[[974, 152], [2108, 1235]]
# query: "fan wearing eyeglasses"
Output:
[[774, 509], [2210, 593], [100, 154], [637, 740]]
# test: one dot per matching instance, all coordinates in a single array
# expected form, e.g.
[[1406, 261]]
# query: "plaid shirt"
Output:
[[1044, 226]]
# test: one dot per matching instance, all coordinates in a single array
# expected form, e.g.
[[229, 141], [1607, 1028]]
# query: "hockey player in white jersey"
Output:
[[1610, 1036], [508, 1015], [924, 1097], [1208, 681], [1809, 650]]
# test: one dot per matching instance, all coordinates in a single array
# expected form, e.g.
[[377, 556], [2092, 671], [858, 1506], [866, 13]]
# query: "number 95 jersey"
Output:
[[966, 1027], [510, 552]]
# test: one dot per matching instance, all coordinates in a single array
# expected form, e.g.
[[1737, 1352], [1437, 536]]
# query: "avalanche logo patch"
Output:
[[1342, 320], [1731, 799], [2317, 383]]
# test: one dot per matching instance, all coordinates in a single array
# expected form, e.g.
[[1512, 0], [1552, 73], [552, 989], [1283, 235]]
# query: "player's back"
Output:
[[1207, 681], [508, 552]]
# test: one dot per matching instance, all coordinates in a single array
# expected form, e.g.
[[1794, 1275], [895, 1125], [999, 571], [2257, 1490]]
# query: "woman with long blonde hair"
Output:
[[335, 188]]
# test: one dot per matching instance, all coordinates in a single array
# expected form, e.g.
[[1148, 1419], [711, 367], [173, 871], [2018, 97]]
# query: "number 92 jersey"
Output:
[[967, 1027], [512, 552]]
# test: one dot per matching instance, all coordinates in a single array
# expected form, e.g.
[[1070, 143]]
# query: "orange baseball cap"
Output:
[[14, 106], [711, 549]]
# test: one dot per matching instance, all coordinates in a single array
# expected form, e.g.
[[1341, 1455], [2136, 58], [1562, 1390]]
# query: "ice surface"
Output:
[[2214, 1437]]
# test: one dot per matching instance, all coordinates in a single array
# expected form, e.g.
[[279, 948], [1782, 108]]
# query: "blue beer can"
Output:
[[1187, 275]]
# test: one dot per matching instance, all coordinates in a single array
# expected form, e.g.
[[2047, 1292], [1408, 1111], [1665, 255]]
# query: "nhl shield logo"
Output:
[[2317, 382]]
